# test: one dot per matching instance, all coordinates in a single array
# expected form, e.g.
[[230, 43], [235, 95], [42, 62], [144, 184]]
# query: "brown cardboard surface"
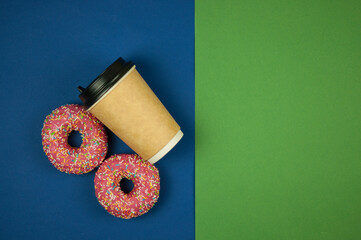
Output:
[[134, 113]]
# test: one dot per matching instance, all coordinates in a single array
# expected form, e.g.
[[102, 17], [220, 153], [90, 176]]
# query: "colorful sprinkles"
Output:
[[56, 129], [146, 182]]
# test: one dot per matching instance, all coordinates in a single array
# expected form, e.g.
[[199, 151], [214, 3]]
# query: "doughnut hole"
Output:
[[75, 139], [126, 185]]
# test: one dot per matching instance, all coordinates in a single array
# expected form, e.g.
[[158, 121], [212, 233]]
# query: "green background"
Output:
[[278, 119]]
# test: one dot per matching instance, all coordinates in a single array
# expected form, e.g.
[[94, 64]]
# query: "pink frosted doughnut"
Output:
[[55, 132], [145, 178]]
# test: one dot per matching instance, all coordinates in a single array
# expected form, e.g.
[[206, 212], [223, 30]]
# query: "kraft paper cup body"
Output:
[[131, 110]]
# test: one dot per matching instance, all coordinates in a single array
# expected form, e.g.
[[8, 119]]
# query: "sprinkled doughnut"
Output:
[[55, 132], [145, 178]]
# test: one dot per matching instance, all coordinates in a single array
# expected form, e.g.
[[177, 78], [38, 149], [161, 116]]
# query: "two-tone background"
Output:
[[268, 95]]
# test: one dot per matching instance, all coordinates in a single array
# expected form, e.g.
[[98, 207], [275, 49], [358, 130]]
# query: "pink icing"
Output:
[[56, 129], [146, 182]]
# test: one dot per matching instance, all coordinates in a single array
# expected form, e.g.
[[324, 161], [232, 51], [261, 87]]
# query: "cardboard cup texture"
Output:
[[133, 112]]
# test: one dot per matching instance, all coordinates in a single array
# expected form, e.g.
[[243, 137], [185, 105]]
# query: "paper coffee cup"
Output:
[[123, 101]]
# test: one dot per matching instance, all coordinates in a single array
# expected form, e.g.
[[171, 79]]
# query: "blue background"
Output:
[[47, 49]]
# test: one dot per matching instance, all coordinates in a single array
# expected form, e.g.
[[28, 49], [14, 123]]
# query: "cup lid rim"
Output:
[[104, 82]]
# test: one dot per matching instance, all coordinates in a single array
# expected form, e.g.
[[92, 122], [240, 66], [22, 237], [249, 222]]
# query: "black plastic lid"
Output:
[[104, 82]]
